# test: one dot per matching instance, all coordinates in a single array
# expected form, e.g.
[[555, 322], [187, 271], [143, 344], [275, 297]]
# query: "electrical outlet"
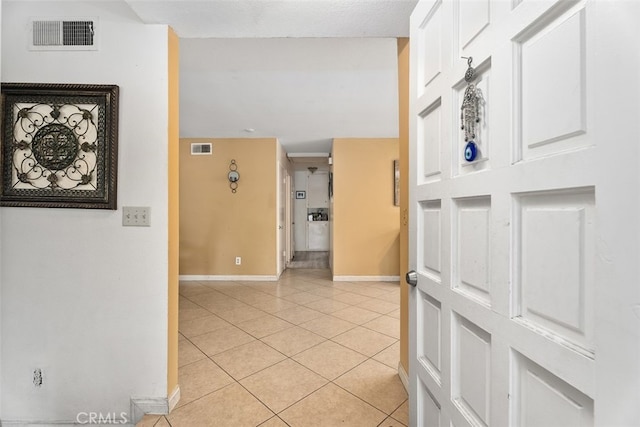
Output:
[[238, 260], [136, 216], [37, 377]]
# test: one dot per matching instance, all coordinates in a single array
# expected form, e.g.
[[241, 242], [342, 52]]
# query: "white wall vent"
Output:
[[202, 149], [67, 34]]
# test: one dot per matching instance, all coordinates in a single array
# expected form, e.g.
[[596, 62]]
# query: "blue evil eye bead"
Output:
[[470, 151]]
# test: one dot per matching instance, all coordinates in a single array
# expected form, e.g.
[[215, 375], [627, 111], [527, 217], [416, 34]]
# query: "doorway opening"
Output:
[[311, 205]]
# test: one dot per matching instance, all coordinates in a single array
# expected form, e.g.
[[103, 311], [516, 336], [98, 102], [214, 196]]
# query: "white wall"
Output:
[[83, 298]]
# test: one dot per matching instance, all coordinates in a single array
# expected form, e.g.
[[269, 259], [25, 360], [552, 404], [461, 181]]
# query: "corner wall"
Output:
[[173, 208], [83, 298], [217, 225], [366, 226]]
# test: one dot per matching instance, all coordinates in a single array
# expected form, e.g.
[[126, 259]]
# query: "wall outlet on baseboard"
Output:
[[238, 260]]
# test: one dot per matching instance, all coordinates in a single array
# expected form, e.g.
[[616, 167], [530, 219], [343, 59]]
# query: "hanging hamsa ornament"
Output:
[[469, 113]]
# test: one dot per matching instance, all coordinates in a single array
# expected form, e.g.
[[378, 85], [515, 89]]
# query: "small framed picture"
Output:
[[301, 194]]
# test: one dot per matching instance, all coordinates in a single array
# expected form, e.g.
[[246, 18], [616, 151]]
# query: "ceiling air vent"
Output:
[[202, 149], [72, 34]]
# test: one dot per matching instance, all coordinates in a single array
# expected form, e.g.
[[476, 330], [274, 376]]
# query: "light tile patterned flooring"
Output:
[[303, 351]]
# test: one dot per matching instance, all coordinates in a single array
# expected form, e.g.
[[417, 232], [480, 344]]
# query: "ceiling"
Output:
[[303, 71], [278, 18]]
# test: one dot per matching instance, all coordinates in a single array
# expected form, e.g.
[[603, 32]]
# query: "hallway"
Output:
[[303, 351]]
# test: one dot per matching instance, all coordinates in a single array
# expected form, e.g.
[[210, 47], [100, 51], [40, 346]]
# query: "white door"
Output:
[[527, 305]]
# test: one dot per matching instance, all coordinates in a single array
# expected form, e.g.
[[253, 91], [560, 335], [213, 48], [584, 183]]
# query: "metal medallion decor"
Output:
[[233, 176], [59, 146]]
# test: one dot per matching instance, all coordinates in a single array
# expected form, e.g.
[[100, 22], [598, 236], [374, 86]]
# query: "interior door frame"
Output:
[[282, 207], [288, 220]]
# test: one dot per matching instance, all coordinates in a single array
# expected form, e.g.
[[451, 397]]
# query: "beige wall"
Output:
[[217, 225], [366, 224], [403, 104], [174, 212]]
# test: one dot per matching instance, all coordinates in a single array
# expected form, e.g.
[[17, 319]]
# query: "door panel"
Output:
[[553, 283], [473, 18], [471, 231], [514, 250], [471, 373], [550, 61], [429, 154], [542, 399], [430, 42], [430, 342], [431, 246]]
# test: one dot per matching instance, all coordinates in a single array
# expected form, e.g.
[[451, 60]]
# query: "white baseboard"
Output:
[[248, 278], [141, 406], [174, 398], [404, 378], [36, 423], [366, 278], [113, 419]]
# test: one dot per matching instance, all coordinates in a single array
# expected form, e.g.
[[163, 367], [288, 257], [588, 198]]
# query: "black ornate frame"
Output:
[[59, 145]]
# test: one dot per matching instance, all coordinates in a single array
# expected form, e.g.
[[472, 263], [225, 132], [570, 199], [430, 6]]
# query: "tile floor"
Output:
[[303, 351]]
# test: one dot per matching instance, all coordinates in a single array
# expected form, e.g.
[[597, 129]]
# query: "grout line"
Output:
[[253, 373], [305, 396], [359, 398], [258, 399], [203, 396], [275, 416], [292, 279]]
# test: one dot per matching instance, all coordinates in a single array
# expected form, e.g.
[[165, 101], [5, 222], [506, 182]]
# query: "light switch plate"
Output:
[[136, 216]]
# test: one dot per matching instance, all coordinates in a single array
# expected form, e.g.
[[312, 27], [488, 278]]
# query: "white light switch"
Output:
[[136, 216]]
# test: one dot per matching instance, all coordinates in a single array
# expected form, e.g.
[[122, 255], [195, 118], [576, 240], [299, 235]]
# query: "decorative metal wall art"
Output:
[[470, 113], [59, 146], [234, 176]]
